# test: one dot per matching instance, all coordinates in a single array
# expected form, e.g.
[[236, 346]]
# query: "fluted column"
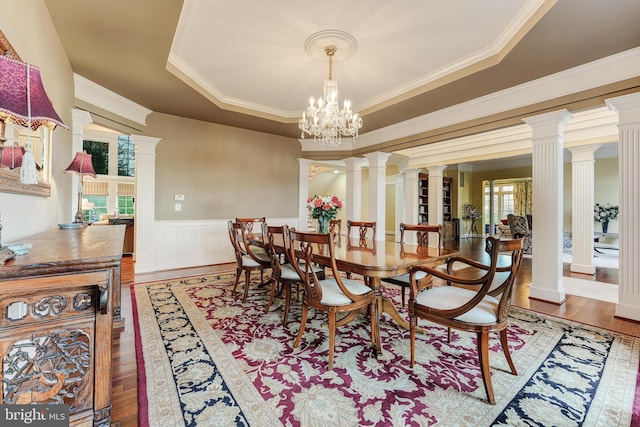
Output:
[[353, 208], [411, 197], [547, 205], [582, 186], [400, 205], [628, 108], [436, 214], [303, 193], [377, 190], [145, 202]]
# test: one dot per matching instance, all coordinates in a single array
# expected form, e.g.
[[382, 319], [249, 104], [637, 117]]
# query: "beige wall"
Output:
[[28, 27], [223, 172]]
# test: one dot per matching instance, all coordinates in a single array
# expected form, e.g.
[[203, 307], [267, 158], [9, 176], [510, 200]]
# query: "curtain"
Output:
[[522, 198], [95, 188]]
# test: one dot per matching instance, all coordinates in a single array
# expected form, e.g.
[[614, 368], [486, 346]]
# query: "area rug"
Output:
[[607, 258], [206, 358]]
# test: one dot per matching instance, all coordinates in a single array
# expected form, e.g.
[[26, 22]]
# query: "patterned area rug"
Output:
[[206, 358]]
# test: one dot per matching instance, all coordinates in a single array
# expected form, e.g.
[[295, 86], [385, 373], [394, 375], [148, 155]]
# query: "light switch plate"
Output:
[[178, 197]]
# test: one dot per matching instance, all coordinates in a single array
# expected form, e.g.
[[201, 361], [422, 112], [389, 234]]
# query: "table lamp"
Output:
[[82, 165]]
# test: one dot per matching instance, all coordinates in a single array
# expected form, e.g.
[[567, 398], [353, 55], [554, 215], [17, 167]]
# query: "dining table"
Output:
[[376, 260]]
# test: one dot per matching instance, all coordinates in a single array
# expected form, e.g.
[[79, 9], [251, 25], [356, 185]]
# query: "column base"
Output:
[[582, 268], [556, 297]]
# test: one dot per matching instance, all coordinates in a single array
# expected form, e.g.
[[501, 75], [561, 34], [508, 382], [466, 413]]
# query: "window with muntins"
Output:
[[126, 156], [99, 155]]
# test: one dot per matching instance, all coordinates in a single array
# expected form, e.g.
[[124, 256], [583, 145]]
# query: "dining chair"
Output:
[[284, 276], [248, 258], [363, 229], [335, 226], [333, 294], [422, 235], [471, 303]]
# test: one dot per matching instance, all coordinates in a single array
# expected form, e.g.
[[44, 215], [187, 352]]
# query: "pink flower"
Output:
[[318, 202], [339, 204], [335, 199], [309, 200], [326, 207]]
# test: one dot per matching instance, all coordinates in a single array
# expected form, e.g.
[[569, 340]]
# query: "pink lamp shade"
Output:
[[13, 95], [82, 165], [12, 157]]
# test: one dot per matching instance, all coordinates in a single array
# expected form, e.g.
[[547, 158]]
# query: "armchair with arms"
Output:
[[476, 304]]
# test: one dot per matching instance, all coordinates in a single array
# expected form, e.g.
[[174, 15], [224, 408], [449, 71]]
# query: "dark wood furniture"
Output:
[[476, 304], [376, 260], [333, 295], [128, 246], [58, 304], [422, 237], [249, 257], [363, 229], [423, 198]]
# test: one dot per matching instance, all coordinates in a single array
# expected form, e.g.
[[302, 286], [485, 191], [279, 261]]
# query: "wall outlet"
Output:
[[178, 207]]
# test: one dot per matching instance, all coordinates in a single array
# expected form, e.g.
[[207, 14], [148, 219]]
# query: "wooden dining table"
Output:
[[377, 260]]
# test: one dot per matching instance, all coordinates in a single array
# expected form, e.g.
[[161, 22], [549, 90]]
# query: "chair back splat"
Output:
[[474, 299], [423, 233], [248, 257], [363, 229], [334, 294]]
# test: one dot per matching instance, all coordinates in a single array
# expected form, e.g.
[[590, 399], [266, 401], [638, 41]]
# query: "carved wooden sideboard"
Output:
[[57, 305]]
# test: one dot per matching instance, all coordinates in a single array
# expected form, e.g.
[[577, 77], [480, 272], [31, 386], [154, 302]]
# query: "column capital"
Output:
[[377, 158], [80, 119], [627, 107], [353, 162], [583, 153], [145, 144], [436, 170], [548, 124]]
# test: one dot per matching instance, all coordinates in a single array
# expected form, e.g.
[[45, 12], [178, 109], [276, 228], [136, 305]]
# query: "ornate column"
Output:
[[353, 208], [145, 202], [435, 194], [547, 156], [628, 108], [377, 190], [582, 199], [303, 193]]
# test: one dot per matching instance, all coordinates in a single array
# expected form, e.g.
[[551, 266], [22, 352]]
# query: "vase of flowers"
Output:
[[324, 209], [605, 213]]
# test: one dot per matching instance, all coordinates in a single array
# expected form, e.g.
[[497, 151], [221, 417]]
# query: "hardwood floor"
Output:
[[125, 380]]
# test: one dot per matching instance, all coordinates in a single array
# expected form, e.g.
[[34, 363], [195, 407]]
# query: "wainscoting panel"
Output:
[[182, 244]]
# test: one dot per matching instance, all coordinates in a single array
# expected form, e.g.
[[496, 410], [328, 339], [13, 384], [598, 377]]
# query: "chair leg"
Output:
[[413, 320], [483, 355], [303, 324], [507, 353], [247, 275], [402, 289], [332, 336], [238, 273], [449, 335], [272, 295], [287, 301]]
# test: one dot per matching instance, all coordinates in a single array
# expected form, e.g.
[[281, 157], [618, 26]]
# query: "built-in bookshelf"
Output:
[[423, 198]]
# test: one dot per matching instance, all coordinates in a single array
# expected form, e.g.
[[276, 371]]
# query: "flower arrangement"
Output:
[[324, 207], [605, 213], [470, 211]]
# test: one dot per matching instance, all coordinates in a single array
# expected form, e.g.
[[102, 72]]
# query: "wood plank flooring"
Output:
[[125, 380]]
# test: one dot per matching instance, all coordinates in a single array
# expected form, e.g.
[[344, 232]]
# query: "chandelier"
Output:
[[324, 119]]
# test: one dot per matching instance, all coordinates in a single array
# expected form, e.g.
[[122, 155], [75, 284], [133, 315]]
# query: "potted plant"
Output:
[[605, 213]]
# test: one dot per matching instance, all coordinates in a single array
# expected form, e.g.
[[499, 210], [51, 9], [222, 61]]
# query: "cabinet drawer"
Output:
[[27, 302]]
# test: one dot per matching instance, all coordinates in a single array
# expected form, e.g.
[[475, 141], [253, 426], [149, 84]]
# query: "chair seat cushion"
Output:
[[333, 295], [259, 253], [404, 278], [247, 261], [287, 272], [450, 297]]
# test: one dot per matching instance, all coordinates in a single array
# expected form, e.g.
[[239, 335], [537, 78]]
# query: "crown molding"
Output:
[[94, 94]]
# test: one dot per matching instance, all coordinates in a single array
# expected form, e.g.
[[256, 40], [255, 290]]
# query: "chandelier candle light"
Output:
[[324, 119]]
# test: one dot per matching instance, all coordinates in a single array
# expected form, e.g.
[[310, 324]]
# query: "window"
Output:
[[99, 155], [99, 208], [503, 201], [126, 156], [125, 205]]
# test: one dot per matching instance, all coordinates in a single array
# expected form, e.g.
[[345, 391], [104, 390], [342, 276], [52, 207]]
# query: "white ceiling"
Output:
[[255, 58]]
